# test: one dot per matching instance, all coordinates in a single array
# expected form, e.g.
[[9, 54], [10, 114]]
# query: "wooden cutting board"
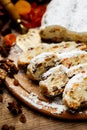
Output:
[[37, 118], [34, 119], [29, 93]]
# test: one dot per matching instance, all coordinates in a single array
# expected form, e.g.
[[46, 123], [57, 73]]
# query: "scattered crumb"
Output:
[[16, 83], [5, 127], [22, 118], [1, 98], [14, 108]]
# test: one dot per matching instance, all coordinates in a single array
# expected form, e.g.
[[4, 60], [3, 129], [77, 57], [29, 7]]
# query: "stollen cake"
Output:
[[54, 81], [75, 92], [56, 33], [69, 14], [30, 39], [26, 56], [40, 64], [65, 20], [81, 68], [73, 58]]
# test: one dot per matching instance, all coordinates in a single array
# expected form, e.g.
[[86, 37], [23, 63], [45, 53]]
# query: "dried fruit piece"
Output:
[[33, 19], [8, 66], [1, 98], [10, 39], [22, 118], [11, 128], [14, 108], [5, 127], [16, 83], [23, 7]]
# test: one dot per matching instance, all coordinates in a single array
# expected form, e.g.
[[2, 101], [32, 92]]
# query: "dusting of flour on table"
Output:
[[72, 14]]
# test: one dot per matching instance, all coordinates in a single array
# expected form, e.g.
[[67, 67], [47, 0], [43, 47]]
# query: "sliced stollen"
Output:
[[68, 15], [30, 39], [40, 64], [81, 68], [65, 47], [53, 33], [73, 58], [75, 92], [53, 81], [25, 57], [56, 33]]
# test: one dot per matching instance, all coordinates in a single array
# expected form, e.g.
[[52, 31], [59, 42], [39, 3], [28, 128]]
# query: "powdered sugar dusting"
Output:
[[76, 69], [54, 70], [75, 79], [71, 14], [33, 100], [40, 58], [71, 54]]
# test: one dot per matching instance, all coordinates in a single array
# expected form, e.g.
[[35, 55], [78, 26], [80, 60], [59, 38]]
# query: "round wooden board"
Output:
[[29, 93], [32, 100]]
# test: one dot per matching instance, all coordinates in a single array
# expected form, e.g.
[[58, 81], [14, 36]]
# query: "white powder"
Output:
[[60, 108], [72, 53], [33, 100], [71, 14], [78, 78], [55, 69], [41, 57], [76, 69]]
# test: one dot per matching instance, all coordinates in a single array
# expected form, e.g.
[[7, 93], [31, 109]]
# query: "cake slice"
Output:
[[69, 23], [30, 39], [69, 14], [75, 92], [53, 81], [40, 64], [73, 58], [70, 17], [81, 68], [56, 33], [26, 56]]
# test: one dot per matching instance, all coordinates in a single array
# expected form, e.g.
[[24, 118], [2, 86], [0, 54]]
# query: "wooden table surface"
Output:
[[34, 120]]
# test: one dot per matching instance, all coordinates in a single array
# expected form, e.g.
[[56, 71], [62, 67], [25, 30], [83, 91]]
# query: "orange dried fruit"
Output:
[[10, 39], [23, 7]]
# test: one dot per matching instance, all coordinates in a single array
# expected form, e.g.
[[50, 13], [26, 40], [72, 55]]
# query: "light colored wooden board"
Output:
[[34, 120], [29, 93], [31, 100]]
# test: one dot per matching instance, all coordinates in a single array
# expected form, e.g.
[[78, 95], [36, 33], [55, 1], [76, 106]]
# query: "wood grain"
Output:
[[35, 120], [23, 94]]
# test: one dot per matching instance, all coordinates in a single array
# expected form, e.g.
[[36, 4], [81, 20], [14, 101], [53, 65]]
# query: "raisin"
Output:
[[5, 127], [11, 128], [16, 83], [22, 118], [1, 98], [14, 108]]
